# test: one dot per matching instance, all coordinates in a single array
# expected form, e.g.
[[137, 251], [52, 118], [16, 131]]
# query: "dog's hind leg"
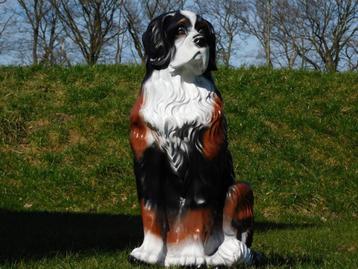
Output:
[[237, 228], [238, 213]]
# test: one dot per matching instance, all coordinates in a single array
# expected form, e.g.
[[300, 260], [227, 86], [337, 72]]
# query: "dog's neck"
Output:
[[172, 100], [176, 107]]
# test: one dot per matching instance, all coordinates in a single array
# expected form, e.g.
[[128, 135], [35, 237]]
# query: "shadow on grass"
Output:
[[33, 235]]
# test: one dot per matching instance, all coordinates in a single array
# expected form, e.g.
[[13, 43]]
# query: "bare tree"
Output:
[[89, 24], [283, 28], [289, 35], [119, 49], [5, 21], [49, 34], [34, 12], [119, 40], [135, 26], [257, 21], [329, 27], [351, 54], [225, 15], [324, 29]]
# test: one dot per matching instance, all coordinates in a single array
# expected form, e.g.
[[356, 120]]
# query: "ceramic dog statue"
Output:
[[193, 212]]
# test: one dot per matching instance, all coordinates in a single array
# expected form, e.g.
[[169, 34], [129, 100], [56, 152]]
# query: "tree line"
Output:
[[310, 34]]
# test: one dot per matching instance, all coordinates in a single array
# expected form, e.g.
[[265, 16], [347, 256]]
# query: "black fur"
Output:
[[198, 178], [157, 46], [211, 39]]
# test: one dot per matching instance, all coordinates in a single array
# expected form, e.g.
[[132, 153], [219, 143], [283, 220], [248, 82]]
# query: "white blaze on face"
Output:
[[190, 15], [189, 58]]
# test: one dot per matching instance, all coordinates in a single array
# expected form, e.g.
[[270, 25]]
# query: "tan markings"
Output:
[[183, 21], [138, 130], [244, 211], [150, 220], [202, 25], [239, 198], [214, 137], [238, 205], [231, 202], [194, 224]]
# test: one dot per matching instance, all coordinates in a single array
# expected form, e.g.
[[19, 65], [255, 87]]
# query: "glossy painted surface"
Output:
[[193, 212]]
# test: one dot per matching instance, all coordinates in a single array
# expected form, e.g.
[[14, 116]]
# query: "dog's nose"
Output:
[[200, 41]]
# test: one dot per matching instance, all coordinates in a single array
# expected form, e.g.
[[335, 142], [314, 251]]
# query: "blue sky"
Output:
[[18, 51]]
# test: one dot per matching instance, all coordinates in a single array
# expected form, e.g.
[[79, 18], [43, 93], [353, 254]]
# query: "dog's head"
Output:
[[181, 41]]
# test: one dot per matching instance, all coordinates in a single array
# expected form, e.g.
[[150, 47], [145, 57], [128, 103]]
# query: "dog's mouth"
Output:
[[197, 56], [196, 61]]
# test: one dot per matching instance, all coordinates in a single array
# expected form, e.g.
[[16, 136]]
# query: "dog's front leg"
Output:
[[152, 249], [185, 237], [149, 181], [148, 170]]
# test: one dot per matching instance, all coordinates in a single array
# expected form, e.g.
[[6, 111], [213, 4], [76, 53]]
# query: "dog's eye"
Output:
[[181, 30]]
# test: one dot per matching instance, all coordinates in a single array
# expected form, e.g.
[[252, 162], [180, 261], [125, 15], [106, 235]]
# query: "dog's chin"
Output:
[[190, 66]]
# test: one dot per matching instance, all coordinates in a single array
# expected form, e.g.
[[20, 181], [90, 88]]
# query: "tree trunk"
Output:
[[268, 60], [35, 60], [330, 65]]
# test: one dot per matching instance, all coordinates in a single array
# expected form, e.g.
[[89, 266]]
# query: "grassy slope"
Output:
[[64, 148]]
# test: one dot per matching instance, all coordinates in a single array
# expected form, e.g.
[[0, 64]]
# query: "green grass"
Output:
[[67, 192]]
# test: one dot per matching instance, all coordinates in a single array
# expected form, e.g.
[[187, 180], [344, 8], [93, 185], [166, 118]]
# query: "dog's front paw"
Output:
[[230, 252], [141, 255], [188, 253], [151, 251], [190, 261]]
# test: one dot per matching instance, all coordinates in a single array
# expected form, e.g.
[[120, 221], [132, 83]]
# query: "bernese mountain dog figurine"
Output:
[[193, 212]]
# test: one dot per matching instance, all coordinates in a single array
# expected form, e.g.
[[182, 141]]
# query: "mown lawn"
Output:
[[67, 192]]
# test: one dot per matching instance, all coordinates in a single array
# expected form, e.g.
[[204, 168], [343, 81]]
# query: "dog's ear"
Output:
[[157, 47], [212, 48]]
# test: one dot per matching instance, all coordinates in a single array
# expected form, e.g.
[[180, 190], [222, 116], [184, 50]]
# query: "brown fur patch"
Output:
[[214, 137], [194, 223], [150, 220], [138, 132]]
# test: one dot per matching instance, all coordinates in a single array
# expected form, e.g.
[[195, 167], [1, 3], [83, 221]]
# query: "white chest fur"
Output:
[[175, 109]]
